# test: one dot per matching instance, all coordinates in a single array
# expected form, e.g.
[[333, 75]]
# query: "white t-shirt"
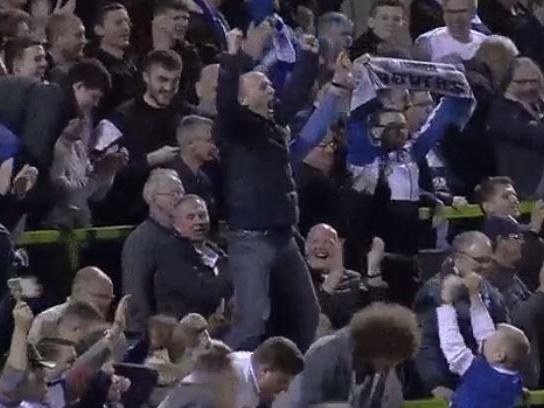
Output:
[[248, 391], [442, 46]]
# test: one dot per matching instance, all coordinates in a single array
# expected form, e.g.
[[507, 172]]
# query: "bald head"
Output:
[[471, 241], [257, 94], [91, 286], [472, 252], [508, 347], [322, 230]]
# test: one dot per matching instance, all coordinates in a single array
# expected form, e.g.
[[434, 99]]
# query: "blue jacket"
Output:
[[430, 362]]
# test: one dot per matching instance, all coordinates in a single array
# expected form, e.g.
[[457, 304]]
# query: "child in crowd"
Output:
[[489, 380]]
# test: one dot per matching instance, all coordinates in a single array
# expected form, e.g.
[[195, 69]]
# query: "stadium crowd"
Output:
[[273, 163]]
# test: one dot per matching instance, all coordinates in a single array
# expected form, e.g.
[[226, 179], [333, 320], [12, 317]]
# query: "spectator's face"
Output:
[[97, 293], [203, 146], [115, 29], [458, 15], [419, 110], [191, 220], [509, 248], [72, 42], [320, 245], [385, 21], [32, 64], [180, 23], [340, 36], [206, 87], [161, 84], [526, 83], [305, 18], [257, 94], [168, 196], [478, 257], [392, 130], [272, 382], [87, 98], [504, 202]]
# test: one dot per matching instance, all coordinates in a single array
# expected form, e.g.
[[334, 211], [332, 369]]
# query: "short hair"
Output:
[[384, 330], [517, 345], [475, 3], [57, 23], [466, 239], [215, 359], [385, 3], [9, 23], [15, 49], [155, 179], [86, 274], [185, 334], [516, 63], [104, 10], [487, 188], [188, 198], [168, 59], [188, 123], [162, 6], [91, 72], [280, 354], [332, 18]]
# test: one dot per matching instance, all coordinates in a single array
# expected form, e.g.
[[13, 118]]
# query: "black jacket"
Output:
[[260, 191], [518, 141], [185, 284]]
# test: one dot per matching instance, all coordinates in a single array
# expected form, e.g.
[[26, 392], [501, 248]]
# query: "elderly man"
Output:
[[190, 276], [90, 287], [472, 252], [162, 192]]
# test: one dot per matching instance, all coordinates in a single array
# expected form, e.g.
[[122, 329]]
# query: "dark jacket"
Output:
[[260, 192], [367, 43], [430, 361], [510, 285], [518, 139], [185, 284], [37, 113], [145, 129]]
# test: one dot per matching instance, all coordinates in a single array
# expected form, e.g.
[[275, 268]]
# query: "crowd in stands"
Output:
[[272, 165]]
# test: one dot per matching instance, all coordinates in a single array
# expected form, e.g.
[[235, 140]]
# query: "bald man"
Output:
[[472, 252], [260, 193], [91, 287], [206, 90]]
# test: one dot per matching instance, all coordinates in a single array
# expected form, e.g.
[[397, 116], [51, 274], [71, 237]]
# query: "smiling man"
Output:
[[191, 275]]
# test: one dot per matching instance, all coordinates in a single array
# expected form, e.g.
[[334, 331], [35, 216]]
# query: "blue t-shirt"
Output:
[[484, 387]]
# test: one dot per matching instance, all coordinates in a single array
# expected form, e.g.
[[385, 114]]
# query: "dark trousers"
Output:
[[260, 261]]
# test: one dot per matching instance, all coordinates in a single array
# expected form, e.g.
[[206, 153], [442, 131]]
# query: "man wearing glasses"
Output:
[[471, 252]]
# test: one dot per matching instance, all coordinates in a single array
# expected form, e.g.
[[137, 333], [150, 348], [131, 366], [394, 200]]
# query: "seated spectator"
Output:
[[112, 28], [492, 378], [266, 372], [212, 384], [162, 192], [471, 252], [25, 56], [500, 204], [356, 365], [456, 42], [386, 17], [515, 126], [145, 126], [206, 91], [191, 275], [196, 148], [90, 287], [66, 42], [341, 292]]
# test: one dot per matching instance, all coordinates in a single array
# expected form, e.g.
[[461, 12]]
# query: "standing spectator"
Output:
[[162, 192], [335, 32], [515, 126], [356, 365], [146, 126], [191, 274], [456, 42], [471, 252], [25, 56], [206, 91], [13, 23], [207, 29], [500, 204], [262, 214], [196, 148], [66, 42], [386, 17], [90, 287], [113, 28]]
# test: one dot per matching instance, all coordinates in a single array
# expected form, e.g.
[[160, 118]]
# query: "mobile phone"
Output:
[[25, 287]]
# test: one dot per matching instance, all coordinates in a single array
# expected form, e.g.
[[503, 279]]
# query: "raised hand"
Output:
[[22, 316], [473, 283], [451, 286], [309, 43], [25, 180], [234, 41], [257, 38]]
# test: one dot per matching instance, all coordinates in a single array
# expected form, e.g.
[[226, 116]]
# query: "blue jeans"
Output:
[[259, 260]]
